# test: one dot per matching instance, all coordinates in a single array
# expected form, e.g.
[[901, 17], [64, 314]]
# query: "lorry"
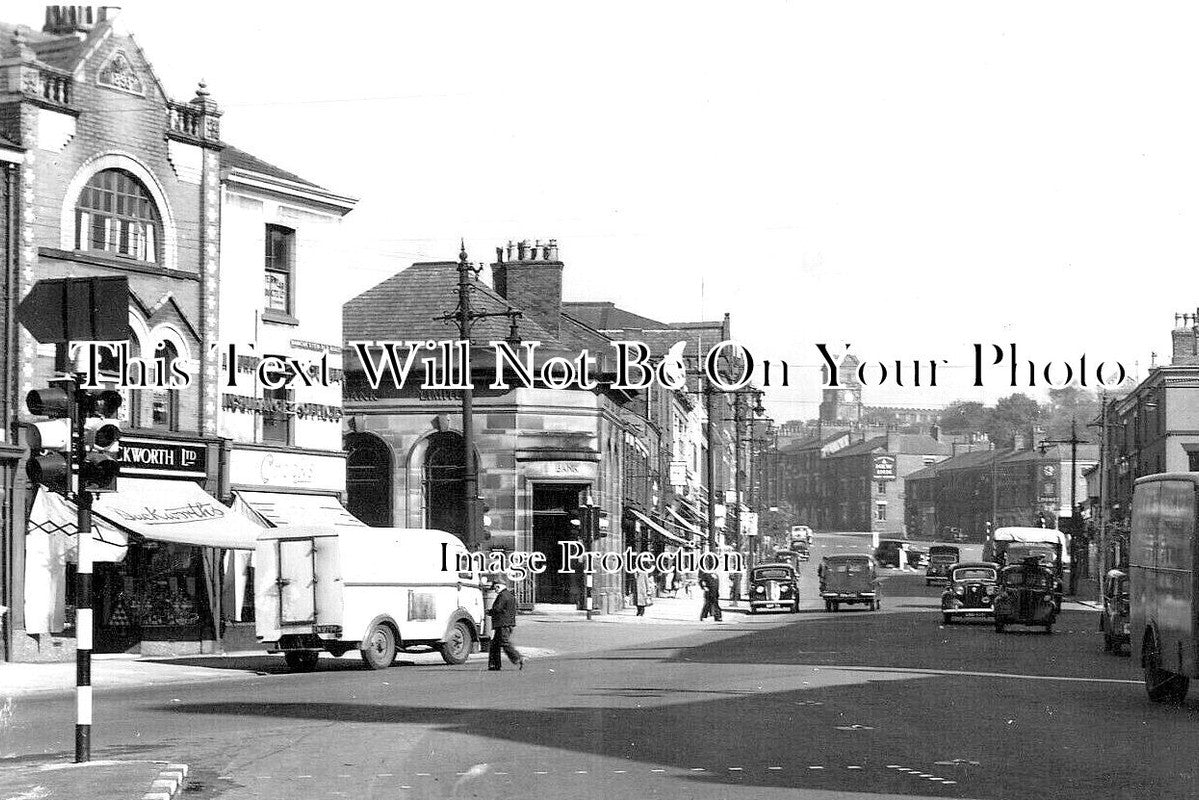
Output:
[[1012, 545], [1163, 551], [375, 590]]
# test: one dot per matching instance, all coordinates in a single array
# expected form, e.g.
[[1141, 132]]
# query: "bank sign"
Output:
[[153, 458]]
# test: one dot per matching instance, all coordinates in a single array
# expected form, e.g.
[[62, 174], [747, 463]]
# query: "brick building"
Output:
[[107, 175]]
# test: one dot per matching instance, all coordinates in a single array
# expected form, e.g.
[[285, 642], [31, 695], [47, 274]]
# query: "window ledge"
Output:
[[278, 317]]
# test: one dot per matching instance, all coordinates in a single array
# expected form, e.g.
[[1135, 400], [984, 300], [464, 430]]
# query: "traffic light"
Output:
[[50, 441], [101, 441]]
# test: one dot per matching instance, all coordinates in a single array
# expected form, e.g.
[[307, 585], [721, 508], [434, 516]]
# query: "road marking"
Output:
[[966, 674], [303, 776], [385, 775], [854, 727], [701, 769], [419, 775], [657, 770], [854, 766], [774, 768], [815, 766], [542, 772]]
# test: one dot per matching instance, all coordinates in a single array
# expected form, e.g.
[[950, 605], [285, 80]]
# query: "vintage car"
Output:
[[1028, 593], [773, 586], [849, 578], [940, 558], [917, 556], [1113, 620], [887, 554], [971, 590], [801, 533], [802, 550], [787, 557]]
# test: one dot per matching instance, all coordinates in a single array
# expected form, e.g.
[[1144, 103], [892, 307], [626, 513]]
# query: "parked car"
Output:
[[1027, 594], [970, 591], [774, 586], [940, 558], [376, 590], [849, 578], [1113, 620]]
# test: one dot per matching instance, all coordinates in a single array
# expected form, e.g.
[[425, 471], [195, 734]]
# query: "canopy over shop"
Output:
[[157, 546]]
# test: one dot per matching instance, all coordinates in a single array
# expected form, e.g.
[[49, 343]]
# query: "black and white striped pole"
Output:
[[84, 623]]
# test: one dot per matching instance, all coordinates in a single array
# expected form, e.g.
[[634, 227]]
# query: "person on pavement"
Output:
[[503, 620], [642, 592], [710, 584]]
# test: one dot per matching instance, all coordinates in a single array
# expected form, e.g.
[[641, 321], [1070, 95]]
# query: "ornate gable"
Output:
[[118, 73]]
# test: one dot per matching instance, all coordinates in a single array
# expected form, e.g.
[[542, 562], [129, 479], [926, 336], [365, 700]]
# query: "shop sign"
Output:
[[154, 458], [884, 468], [261, 405], [280, 469], [678, 473]]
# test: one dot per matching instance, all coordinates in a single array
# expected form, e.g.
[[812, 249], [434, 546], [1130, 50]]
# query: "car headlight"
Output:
[[959, 590], [759, 590], [1048, 598]]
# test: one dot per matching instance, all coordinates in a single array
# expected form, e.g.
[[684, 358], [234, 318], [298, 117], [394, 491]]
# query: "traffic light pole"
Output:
[[84, 626]]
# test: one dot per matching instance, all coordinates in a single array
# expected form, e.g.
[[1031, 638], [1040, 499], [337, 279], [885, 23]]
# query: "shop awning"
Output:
[[687, 526], [54, 517], [658, 528], [174, 511], [278, 509]]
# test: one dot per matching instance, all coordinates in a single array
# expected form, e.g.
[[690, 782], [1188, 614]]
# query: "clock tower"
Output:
[[842, 404]]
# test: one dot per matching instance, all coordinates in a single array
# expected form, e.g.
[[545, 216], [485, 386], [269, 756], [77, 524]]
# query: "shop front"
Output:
[[157, 546], [272, 488]]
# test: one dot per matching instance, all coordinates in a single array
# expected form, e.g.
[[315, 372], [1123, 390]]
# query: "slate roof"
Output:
[[604, 316], [62, 52], [404, 307], [234, 158], [860, 448]]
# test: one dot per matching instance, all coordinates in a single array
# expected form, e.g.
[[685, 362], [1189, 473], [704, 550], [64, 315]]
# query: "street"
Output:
[[815, 705]]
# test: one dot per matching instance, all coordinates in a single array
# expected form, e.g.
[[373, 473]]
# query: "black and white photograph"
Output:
[[784, 399]]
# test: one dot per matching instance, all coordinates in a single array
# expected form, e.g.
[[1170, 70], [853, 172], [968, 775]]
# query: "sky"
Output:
[[910, 178]]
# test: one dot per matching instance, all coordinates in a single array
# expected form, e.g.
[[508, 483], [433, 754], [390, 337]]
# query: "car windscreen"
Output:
[[974, 574], [771, 574]]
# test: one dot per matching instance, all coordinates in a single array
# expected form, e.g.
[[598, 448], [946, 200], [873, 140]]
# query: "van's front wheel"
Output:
[[379, 647], [457, 645]]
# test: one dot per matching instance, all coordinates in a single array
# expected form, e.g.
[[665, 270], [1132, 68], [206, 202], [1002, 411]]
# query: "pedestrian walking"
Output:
[[503, 620], [710, 584], [642, 592]]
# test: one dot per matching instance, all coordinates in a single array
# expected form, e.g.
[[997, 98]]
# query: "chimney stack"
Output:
[[72, 20], [532, 281], [1185, 342]]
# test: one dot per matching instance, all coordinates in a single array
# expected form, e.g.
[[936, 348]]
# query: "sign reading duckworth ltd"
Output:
[[156, 458]]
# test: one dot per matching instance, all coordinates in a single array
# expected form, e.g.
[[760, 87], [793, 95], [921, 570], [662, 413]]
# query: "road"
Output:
[[814, 705]]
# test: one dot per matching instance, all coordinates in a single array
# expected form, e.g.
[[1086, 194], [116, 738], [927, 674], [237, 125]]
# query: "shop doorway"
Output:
[[554, 506]]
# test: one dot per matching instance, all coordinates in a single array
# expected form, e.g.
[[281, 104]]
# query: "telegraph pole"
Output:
[[710, 432], [465, 316], [1074, 442]]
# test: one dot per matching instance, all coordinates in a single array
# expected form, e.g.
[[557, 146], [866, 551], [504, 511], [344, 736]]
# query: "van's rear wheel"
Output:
[[1161, 685], [301, 660], [379, 647], [457, 645]]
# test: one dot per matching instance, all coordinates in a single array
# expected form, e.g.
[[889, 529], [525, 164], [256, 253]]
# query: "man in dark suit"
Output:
[[710, 584], [503, 620]]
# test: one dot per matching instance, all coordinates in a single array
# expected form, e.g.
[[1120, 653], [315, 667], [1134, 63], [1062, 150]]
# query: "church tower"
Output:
[[842, 404]]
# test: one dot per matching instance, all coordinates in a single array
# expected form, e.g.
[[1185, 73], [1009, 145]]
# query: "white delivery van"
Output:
[[377, 590]]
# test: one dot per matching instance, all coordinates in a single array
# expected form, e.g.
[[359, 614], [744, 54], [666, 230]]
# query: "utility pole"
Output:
[[710, 432], [1103, 456], [465, 316], [1074, 442]]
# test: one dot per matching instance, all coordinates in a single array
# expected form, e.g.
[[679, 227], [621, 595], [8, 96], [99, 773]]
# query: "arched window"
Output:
[[445, 483], [116, 214], [368, 479], [164, 401]]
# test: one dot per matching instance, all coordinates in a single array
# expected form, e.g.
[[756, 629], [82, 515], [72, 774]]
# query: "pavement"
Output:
[[816, 706], [65, 780]]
